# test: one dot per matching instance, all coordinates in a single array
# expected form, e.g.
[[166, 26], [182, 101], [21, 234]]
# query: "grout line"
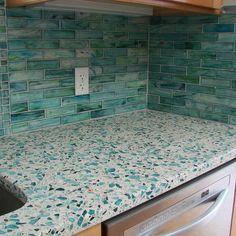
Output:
[[148, 64], [7, 130]]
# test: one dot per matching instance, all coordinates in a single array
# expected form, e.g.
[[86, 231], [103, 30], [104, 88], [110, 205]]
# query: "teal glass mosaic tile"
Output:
[[76, 100], [187, 45], [26, 13], [43, 104], [21, 55], [32, 44], [203, 37], [56, 14], [101, 96], [215, 117], [75, 118], [19, 127], [117, 35], [89, 34], [172, 85], [65, 43], [44, 48], [232, 120], [226, 92], [59, 34], [217, 46], [60, 73], [24, 33], [18, 87], [61, 111], [58, 53], [26, 96], [173, 69], [26, 75], [227, 18], [45, 64], [91, 106], [37, 124], [177, 53], [223, 37], [103, 78], [234, 84], [217, 83], [72, 24], [32, 23], [19, 107], [128, 108], [114, 102], [218, 28], [200, 89], [44, 84], [1, 132], [112, 52], [16, 65], [219, 64], [26, 116], [225, 110], [198, 74], [57, 93], [190, 59], [102, 112]]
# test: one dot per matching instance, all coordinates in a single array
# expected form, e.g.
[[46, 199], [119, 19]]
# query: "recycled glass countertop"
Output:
[[79, 175]]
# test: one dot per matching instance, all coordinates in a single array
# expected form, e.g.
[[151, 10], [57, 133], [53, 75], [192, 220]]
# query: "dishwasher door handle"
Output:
[[205, 216]]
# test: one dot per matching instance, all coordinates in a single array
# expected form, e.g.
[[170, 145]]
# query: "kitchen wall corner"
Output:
[[188, 64], [193, 66]]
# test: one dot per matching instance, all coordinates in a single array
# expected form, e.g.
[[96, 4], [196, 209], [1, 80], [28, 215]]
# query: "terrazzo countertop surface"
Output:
[[79, 175]]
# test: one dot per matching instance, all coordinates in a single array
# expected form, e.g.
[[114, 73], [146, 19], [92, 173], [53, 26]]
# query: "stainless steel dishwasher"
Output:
[[202, 207]]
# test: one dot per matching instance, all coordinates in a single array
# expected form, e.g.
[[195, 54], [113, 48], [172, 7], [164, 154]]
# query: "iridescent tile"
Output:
[[75, 118], [43, 104], [27, 116]]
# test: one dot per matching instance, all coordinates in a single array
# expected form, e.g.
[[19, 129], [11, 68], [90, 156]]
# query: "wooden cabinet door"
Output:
[[19, 3], [93, 231], [215, 4], [180, 7], [161, 7]]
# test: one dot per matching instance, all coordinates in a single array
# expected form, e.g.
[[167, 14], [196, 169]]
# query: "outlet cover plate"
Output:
[[81, 81]]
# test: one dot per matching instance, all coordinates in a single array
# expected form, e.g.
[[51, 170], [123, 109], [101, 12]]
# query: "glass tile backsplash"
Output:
[[44, 47], [191, 63], [192, 67]]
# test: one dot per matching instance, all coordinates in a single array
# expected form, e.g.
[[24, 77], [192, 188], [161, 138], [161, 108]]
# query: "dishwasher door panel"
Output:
[[217, 225], [201, 209], [209, 218], [197, 216]]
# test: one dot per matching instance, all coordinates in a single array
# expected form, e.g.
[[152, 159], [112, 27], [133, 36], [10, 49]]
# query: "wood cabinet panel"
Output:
[[93, 231], [161, 7], [180, 7], [215, 4], [19, 3]]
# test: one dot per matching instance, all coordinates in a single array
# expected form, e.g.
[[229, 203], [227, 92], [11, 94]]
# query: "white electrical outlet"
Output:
[[81, 81]]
